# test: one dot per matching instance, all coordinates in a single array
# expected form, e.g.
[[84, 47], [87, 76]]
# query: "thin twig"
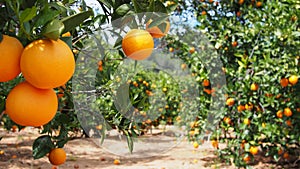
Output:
[[1, 115]]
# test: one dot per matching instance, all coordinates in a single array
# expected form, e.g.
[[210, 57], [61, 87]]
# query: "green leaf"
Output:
[[53, 29], [158, 21], [107, 3], [159, 7], [123, 9], [41, 146], [28, 14], [68, 41], [73, 21], [45, 16]]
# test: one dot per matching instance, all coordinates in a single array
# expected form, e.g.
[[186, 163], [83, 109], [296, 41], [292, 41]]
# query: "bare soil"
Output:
[[84, 153]]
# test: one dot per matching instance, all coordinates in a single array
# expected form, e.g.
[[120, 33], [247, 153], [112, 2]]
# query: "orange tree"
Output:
[[72, 21], [258, 43]]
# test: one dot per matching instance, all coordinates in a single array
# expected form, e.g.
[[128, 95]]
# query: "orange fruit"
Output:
[[238, 13], [47, 63], [171, 49], [183, 66], [254, 87], [247, 121], [227, 120], [241, 2], [286, 155], [117, 162], [263, 125], [155, 31], [293, 79], [253, 150], [14, 128], [11, 51], [284, 82], [215, 143], [203, 13], [240, 108], [258, 4], [57, 156], [195, 144], [280, 151], [137, 44], [249, 106], [192, 50], [206, 82], [279, 114], [208, 91], [287, 112], [288, 123], [234, 44], [230, 101], [67, 34], [30, 106], [247, 159]]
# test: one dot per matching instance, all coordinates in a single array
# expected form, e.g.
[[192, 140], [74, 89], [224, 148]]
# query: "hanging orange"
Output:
[[47, 63], [57, 156], [30, 106], [137, 44], [11, 51]]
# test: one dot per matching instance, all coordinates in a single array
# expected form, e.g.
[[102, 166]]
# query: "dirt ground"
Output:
[[84, 153]]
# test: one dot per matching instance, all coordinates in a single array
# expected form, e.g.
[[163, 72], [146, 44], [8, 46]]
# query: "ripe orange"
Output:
[[30, 106], [47, 63], [230, 101], [192, 50], [247, 158], [183, 66], [234, 44], [238, 13], [11, 51], [206, 82], [67, 34], [246, 121], [286, 155], [254, 87], [249, 106], [279, 114], [14, 128], [287, 112], [203, 13], [240, 108], [241, 2], [293, 79], [215, 143], [288, 123], [284, 82], [171, 49], [155, 31], [227, 120], [195, 144], [137, 44], [253, 150], [117, 162], [280, 151], [57, 156], [208, 91], [258, 4]]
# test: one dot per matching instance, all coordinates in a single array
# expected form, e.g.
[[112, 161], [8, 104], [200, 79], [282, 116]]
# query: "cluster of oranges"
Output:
[[138, 44], [45, 64]]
